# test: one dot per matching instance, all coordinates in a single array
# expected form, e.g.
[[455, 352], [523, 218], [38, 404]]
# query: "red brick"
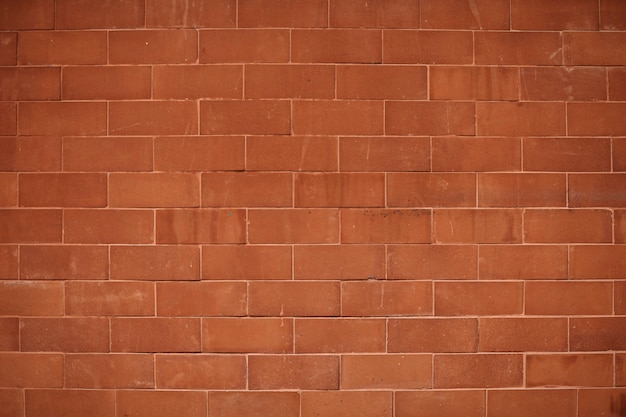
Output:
[[619, 297], [522, 190], [62, 48], [347, 117], [163, 262], [556, 15], [563, 84], [293, 226], [8, 262], [192, 14], [241, 189], [597, 190], [9, 335], [201, 299], [155, 334], [153, 47], [428, 47], [477, 226], [64, 334], [382, 154], [237, 404], [262, 117], [109, 298], [568, 226], [478, 371], [432, 262], [12, 402], [190, 153], [385, 226], [247, 335], [63, 190], [109, 371], [479, 298], [8, 190], [339, 190], [346, 404], [386, 298], [293, 153], [520, 403], [200, 226], [429, 118], [30, 226], [386, 371], [465, 403], [94, 226], [381, 82], [617, 83], [254, 45], [82, 14], [8, 49], [340, 335], [619, 219], [8, 118], [523, 335], [246, 262], [431, 190], [607, 119], [283, 13], [28, 14], [198, 81], [64, 262], [473, 83], [154, 190], [201, 372], [567, 154], [107, 83], [290, 81], [520, 119], [84, 154], [161, 403], [459, 14], [153, 118], [476, 154], [31, 370], [620, 370], [568, 298], [594, 402], [523, 262], [336, 46], [301, 372], [569, 370], [339, 262], [23, 298], [401, 14], [70, 403], [597, 333], [518, 48], [594, 48], [30, 83], [62, 118], [612, 14], [294, 299]]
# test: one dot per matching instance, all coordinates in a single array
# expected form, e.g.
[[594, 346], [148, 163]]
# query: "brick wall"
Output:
[[299, 208]]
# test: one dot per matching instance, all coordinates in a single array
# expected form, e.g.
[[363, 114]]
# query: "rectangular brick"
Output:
[[522, 190], [523, 262], [30, 226], [478, 371], [518, 48], [563, 84], [459, 14], [617, 84], [427, 47], [70, 403], [63, 190], [153, 47], [340, 335], [198, 81], [619, 225], [429, 118], [82, 14], [347, 403], [301, 372], [98, 371], [238, 46], [241, 189], [64, 47], [597, 261], [205, 153], [163, 262], [292, 153], [84, 154], [95, 226], [557, 15], [31, 370], [477, 226], [432, 335], [23, 298], [8, 262], [523, 335], [192, 14], [386, 298], [385, 226], [109, 298], [30, 83], [153, 118], [301, 298], [432, 262], [612, 14], [595, 370], [567, 298], [339, 190], [459, 154], [12, 400], [338, 117], [107, 83], [386, 371], [593, 48], [33, 14], [519, 403], [283, 13], [568, 226], [293, 226], [246, 262], [479, 298], [8, 189], [201, 372], [200, 226], [382, 82], [154, 190], [62, 118], [161, 403], [400, 14], [152, 334], [383, 154], [247, 335], [8, 118], [290, 81], [30, 153], [64, 262], [567, 154], [592, 402], [253, 117], [9, 335], [336, 46], [236, 404], [620, 370], [597, 190], [8, 49], [474, 83], [201, 299], [339, 262], [520, 119], [466, 403], [64, 334], [607, 119]]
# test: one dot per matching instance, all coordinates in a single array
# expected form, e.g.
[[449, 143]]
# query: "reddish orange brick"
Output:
[[558, 15], [386, 298], [9, 335], [64, 262], [62, 118], [293, 153], [384, 154], [94, 226], [192, 14], [290, 81], [109, 298], [179, 263], [429, 118], [301, 372], [477, 226], [109, 371], [66, 403], [432, 262], [36, 153], [8, 118], [107, 83], [521, 190], [8, 48], [262, 117], [200, 226], [619, 220], [478, 371], [568, 298], [64, 334], [401, 14], [153, 47], [593, 48], [612, 14], [294, 298], [520, 119], [476, 154], [30, 226], [255, 45], [385, 226], [339, 262], [620, 370], [84, 154], [62, 48], [597, 261], [386, 371], [617, 84], [568, 226], [427, 335], [473, 83], [518, 48], [154, 190], [381, 82], [82, 14], [519, 403], [161, 403], [597, 333], [31, 298], [523, 335], [153, 118], [607, 119], [347, 117], [201, 298], [241, 189], [431, 190], [469, 403], [246, 262], [9, 262], [427, 47], [567, 154], [569, 370], [336, 46], [32, 370], [198, 81], [192, 153], [293, 226], [33, 14], [339, 335], [283, 13], [593, 402], [346, 403], [201, 372], [459, 14], [30, 83], [247, 335], [155, 334], [8, 190], [339, 190], [523, 262], [63, 190], [597, 190], [558, 84], [12, 400], [479, 298], [236, 404]]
